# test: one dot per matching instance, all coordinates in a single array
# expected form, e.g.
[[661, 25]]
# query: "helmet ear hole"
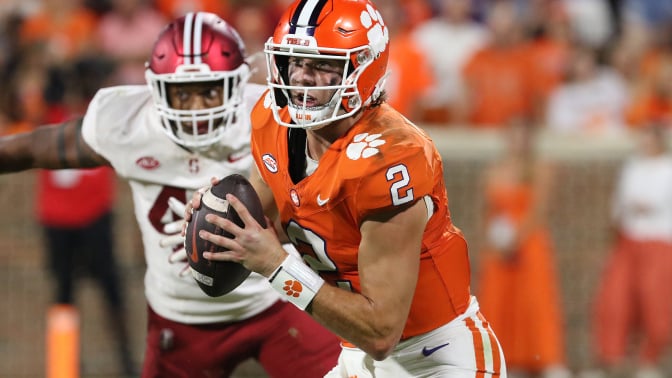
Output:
[[354, 102], [364, 57]]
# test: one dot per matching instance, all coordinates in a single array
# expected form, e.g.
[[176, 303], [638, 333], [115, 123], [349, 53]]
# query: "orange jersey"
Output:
[[500, 84], [382, 162]]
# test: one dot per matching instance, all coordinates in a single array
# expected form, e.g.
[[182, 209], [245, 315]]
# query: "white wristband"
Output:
[[296, 281]]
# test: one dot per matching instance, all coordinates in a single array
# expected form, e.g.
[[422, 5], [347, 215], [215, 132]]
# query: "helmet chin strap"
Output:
[[317, 113]]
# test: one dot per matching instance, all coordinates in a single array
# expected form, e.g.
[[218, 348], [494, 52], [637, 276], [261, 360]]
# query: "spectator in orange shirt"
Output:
[[57, 34], [410, 75], [453, 23], [499, 86], [550, 41], [651, 83], [654, 102], [518, 283], [177, 8], [63, 29]]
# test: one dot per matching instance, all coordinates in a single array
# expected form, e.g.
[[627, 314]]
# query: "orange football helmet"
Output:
[[350, 31], [198, 47]]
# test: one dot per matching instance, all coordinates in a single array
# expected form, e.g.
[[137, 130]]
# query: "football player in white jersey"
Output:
[[190, 124]]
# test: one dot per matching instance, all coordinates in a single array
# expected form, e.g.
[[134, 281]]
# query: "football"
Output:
[[217, 278]]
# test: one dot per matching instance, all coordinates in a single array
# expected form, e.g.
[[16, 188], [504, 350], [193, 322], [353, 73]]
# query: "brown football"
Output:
[[217, 278]]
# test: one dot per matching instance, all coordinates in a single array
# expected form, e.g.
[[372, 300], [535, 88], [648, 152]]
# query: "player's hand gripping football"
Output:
[[174, 238], [256, 248]]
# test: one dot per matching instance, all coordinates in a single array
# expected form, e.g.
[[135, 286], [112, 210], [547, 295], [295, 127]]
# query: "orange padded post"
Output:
[[62, 342]]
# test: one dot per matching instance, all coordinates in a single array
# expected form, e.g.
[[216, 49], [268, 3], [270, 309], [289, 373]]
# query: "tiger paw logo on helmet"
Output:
[[377, 31], [364, 146]]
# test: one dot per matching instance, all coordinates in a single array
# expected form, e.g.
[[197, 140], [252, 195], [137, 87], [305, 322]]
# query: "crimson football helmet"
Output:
[[348, 31], [198, 47]]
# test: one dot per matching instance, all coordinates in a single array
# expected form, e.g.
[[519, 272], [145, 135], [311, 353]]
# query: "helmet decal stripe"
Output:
[[295, 17], [305, 17], [198, 35], [186, 37], [316, 13]]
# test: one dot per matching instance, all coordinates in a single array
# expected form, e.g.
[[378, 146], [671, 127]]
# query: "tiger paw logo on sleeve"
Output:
[[364, 146]]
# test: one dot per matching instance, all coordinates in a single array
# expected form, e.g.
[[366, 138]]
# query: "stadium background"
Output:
[[579, 222]]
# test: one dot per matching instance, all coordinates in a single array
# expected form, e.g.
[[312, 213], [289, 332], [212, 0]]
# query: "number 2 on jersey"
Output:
[[399, 190]]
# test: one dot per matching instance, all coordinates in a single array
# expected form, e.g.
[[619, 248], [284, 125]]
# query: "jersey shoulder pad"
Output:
[[387, 138], [116, 118], [395, 161], [262, 114], [252, 93]]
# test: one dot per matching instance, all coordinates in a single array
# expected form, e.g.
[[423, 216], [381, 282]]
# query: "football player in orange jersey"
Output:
[[359, 190]]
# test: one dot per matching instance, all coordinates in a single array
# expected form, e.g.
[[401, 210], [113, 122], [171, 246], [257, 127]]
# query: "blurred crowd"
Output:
[[569, 65], [54, 54]]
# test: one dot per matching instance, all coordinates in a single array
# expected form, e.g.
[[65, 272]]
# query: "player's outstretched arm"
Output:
[[52, 147]]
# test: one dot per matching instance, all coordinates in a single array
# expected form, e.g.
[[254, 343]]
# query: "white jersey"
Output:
[[122, 125], [642, 204]]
